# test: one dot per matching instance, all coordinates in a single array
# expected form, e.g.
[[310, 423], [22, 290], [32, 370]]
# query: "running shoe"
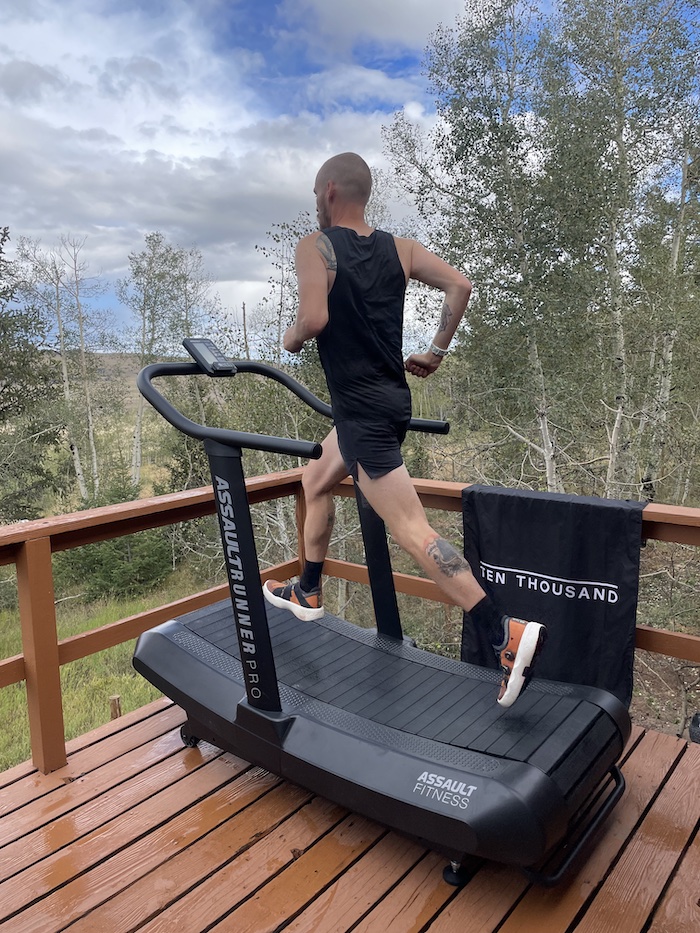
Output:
[[522, 643], [305, 606]]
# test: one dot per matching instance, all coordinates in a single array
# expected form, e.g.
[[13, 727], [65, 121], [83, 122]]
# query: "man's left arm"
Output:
[[426, 267], [312, 280]]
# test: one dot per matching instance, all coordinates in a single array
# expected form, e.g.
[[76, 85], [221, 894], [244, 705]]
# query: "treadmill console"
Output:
[[208, 356]]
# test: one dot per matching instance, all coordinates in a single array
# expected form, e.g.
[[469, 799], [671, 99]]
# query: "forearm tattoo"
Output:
[[449, 561], [325, 248], [445, 317]]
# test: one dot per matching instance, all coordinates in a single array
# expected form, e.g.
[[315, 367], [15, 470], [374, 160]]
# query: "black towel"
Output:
[[571, 562]]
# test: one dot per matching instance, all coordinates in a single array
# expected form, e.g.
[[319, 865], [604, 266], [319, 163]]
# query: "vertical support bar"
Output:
[[243, 571], [37, 612], [300, 509], [381, 580]]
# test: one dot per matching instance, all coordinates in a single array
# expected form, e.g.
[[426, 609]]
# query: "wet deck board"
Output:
[[140, 833]]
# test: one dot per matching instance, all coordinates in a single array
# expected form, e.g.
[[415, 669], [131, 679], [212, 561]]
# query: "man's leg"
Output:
[[320, 478], [517, 643], [394, 498]]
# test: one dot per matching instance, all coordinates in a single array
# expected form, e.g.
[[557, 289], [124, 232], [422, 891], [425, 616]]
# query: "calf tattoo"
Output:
[[449, 561]]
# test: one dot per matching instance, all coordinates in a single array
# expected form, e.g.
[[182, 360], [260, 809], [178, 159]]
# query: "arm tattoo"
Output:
[[448, 560], [444, 317], [325, 248]]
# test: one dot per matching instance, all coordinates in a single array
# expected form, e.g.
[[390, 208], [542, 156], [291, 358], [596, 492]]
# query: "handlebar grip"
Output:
[[426, 426]]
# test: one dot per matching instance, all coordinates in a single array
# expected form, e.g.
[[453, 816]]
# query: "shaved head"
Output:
[[351, 175]]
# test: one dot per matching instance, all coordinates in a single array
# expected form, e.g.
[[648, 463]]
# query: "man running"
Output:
[[352, 280]]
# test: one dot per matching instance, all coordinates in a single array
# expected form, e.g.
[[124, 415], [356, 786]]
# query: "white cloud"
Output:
[[117, 120], [357, 85], [22, 82], [330, 27]]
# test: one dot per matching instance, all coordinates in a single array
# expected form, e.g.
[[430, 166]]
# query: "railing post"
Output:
[[37, 613]]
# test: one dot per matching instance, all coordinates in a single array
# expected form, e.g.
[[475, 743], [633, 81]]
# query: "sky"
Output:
[[205, 120]]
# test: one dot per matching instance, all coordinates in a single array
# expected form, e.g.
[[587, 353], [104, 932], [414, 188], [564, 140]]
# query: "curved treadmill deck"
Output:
[[409, 738]]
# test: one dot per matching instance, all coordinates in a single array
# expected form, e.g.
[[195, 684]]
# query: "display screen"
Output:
[[205, 351]]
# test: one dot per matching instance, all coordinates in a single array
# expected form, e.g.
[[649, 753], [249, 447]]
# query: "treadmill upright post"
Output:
[[243, 571], [381, 580]]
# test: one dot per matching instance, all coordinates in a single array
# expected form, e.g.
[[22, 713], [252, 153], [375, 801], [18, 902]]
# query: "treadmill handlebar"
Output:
[[270, 444], [425, 425], [242, 439]]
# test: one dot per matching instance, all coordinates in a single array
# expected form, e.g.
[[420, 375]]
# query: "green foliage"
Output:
[[167, 293], [27, 373], [121, 567], [561, 175], [56, 281], [29, 429], [279, 307]]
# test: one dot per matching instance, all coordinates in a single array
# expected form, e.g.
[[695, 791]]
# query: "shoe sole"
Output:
[[530, 646], [306, 614]]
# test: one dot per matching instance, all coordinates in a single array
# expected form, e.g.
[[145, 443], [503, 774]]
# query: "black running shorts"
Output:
[[376, 445]]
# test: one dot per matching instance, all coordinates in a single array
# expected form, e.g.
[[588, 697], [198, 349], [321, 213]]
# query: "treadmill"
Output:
[[363, 717]]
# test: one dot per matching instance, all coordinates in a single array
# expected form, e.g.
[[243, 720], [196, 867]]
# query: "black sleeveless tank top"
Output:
[[361, 346]]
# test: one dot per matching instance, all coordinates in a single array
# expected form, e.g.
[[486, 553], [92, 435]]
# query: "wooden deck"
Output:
[[139, 833]]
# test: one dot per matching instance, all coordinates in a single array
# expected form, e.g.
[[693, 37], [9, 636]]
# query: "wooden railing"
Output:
[[29, 545]]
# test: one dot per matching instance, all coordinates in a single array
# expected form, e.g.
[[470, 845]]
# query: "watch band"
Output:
[[438, 351]]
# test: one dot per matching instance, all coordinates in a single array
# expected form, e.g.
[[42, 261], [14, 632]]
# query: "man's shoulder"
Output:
[[308, 245], [405, 247], [404, 241], [310, 238]]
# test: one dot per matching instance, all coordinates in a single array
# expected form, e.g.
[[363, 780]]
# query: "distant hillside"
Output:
[[123, 368]]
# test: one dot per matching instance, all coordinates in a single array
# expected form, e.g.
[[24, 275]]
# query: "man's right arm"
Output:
[[312, 280]]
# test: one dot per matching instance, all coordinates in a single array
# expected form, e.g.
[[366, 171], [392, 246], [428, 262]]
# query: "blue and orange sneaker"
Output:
[[305, 606]]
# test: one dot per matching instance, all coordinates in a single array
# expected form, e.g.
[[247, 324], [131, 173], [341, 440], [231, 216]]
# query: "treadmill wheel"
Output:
[[191, 741]]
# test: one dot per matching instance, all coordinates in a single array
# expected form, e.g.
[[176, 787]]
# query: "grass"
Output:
[[89, 683]]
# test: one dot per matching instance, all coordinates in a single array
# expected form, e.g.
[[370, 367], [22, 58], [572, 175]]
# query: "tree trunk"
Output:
[[661, 401], [554, 483], [618, 478], [67, 392], [136, 446], [73, 250], [246, 348], [660, 416]]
